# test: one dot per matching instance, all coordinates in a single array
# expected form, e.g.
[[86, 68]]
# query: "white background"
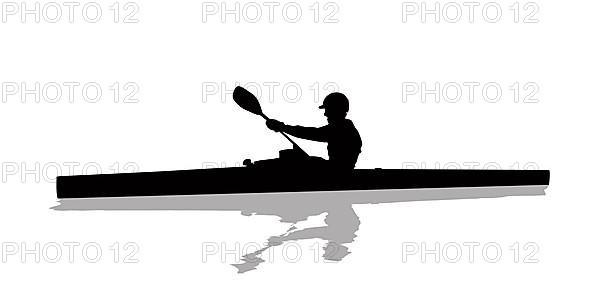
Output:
[[369, 53]]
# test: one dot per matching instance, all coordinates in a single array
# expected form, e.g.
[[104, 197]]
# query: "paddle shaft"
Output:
[[287, 137]]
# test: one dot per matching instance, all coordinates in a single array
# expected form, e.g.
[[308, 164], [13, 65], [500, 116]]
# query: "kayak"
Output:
[[294, 171], [286, 175]]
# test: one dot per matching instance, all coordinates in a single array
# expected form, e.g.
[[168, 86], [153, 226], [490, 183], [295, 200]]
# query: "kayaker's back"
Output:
[[344, 144]]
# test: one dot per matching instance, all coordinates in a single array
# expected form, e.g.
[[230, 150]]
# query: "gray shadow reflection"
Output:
[[342, 223]]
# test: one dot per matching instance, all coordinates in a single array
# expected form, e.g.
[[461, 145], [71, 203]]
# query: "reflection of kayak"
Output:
[[285, 175]]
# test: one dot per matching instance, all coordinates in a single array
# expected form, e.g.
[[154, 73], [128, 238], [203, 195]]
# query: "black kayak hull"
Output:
[[244, 180]]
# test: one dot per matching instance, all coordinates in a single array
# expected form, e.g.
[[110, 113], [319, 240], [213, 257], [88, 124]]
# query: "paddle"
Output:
[[248, 101]]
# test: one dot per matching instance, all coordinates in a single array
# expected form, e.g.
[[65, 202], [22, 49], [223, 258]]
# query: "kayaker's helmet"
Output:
[[336, 102]]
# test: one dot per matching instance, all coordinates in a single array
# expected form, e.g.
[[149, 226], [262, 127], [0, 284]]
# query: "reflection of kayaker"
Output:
[[342, 138]]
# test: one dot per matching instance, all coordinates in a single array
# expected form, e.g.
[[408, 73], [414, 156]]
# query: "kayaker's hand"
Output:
[[275, 125]]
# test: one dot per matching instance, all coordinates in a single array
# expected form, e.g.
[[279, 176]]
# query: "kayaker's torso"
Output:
[[343, 141]]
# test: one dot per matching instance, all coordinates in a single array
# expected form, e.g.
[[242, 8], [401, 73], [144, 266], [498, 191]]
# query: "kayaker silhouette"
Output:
[[343, 140]]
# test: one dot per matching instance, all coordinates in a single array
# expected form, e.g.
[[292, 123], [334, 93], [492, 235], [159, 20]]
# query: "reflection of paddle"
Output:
[[248, 101]]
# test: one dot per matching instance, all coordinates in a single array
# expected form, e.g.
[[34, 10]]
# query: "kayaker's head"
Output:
[[336, 107]]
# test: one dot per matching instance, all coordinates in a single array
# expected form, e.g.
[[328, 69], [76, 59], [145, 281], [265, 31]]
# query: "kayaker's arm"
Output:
[[309, 133]]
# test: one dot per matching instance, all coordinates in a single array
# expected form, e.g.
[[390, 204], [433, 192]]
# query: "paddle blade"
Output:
[[246, 100]]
